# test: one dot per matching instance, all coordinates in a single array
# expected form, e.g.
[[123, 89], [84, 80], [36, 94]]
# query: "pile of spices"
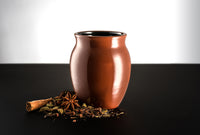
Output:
[[68, 106]]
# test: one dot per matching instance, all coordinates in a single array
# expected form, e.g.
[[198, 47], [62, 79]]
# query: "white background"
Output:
[[41, 31]]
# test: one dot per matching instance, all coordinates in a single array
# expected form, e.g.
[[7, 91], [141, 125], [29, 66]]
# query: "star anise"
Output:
[[70, 101]]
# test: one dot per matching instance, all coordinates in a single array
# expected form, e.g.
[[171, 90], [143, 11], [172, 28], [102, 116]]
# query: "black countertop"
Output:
[[161, 99]]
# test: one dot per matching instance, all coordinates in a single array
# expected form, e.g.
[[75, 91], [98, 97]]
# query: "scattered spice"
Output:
[[68, 106]]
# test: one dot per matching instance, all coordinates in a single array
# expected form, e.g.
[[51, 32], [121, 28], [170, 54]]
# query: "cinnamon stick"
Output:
[[36, 104]]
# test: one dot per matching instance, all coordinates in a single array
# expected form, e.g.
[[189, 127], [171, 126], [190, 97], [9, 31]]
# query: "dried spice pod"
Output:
[[70, 101], [60, 110], [50, 104], [45, 108]]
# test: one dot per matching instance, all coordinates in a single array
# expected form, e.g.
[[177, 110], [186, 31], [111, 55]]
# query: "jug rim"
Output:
[[100, 33]]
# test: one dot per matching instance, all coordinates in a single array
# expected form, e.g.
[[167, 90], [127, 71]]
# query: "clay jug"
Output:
[[100, 67]]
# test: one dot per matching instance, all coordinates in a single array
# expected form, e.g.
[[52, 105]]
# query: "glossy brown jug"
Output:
[[100, 67]]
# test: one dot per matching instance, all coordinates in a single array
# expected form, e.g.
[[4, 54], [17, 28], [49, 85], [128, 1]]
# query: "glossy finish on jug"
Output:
[[100, 67]]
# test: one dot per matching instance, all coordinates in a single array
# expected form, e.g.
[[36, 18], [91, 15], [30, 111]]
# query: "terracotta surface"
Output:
[[100, 67]]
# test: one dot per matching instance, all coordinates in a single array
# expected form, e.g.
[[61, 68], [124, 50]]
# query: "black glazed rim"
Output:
[[100, 33]]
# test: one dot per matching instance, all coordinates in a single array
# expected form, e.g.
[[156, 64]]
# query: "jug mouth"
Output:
[[100, 33]]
